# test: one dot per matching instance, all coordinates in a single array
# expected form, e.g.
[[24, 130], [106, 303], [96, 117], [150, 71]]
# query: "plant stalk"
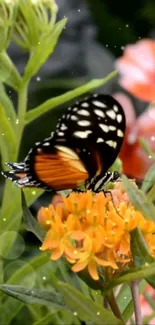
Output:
[[20, 123], [113, 304], [136, 302], [22, 107]]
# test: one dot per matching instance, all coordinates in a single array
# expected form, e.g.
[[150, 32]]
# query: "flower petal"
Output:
[[92, 269], [79, 266], [137, 69]]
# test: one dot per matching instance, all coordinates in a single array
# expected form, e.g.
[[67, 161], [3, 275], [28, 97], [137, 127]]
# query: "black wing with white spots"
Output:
[[96, 124]]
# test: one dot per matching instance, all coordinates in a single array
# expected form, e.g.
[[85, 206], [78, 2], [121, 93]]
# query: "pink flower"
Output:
[[135, 161], [137, 69], [146, 309]]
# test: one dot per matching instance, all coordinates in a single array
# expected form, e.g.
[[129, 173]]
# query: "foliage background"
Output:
[[95, 35]]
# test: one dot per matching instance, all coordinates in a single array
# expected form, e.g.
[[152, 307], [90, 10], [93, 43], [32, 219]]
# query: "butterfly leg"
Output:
[[109, 192]]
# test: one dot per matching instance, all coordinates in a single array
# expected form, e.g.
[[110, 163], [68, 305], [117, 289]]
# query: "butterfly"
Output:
[[86, 142]]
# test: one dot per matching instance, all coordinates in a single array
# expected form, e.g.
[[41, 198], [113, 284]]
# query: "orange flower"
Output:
[[89, 232], [137, 69]]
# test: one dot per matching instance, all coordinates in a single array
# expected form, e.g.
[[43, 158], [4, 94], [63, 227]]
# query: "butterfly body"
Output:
[[86, 142]]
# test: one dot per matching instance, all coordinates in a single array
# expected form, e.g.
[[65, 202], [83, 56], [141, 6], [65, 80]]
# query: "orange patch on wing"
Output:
[[20, 175], [63, 170], [98, 163]]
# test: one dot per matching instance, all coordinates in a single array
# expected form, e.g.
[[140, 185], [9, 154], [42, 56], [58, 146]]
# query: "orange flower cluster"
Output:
[[89, 231]]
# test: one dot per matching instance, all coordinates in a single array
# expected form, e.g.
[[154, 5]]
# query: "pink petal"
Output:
[[143, 53], [143, 91], [131, 71], [128, 107]]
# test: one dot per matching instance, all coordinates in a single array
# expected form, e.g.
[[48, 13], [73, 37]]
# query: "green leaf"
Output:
[[8, 105], [8, 72], [139, 200], [11, 215], [149, 179], [85, 276], [25, 271], [1, 271], [85, 308], [7, 240], [11, 308], [13, 211], [46, 319], [128, 312], [30, 222], [26, 274], [140, 253], [29, 34], [35, 311], [133, 274], [62, 99], [151, 194], [34, 296], [139, 248], [7, 138], [124, 301], [43, 50], [147, 148]]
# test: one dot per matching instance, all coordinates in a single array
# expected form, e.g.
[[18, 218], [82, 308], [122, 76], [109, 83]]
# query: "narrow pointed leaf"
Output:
[[30, 222], [146, 147], [8, 73], [8, 105], [44, 48], [149, 179], [86, 309], [7, 137], [139, 200], [34, 296], [151, 194], [13, 210], [133, 274], [140, 253], [62, 99], [139, 248]]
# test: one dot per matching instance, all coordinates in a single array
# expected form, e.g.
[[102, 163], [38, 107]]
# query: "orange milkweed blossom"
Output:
[[89, 231], [137, 69]]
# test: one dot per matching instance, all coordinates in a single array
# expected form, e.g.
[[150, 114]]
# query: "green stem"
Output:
[[22, 106], [136, 302], [113, 304], [69, 95]]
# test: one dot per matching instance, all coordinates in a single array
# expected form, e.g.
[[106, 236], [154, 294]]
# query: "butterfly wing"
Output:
[[86, 142], [94, 128]]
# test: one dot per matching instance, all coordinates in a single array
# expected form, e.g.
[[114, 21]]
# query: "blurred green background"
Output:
[[96, 33]]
